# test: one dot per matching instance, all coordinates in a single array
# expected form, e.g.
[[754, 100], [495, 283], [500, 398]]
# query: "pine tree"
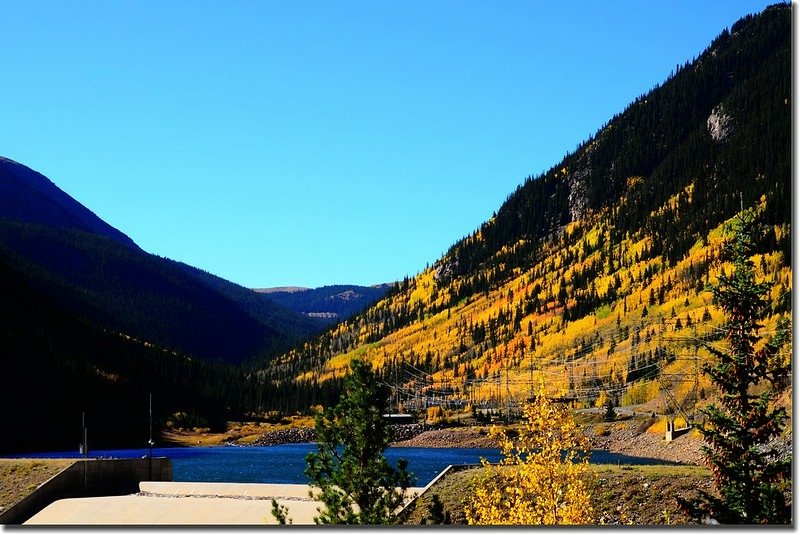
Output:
[[357, 485], [750, 475], [610, 415], [437, 515]]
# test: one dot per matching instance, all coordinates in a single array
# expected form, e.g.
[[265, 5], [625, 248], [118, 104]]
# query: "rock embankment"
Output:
[[293, 435], [630, 441], [451, 437], [406, 431], [296, 435], [617, 438]]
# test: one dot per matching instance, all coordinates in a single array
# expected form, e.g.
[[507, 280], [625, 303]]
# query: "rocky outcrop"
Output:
[[578, 200], [719, 124]]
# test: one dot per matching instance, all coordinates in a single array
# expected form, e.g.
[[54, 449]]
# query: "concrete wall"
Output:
[[672, 433], [90, 477], [447, 470]]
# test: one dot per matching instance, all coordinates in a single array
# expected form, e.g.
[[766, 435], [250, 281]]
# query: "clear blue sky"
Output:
[[319, 142]]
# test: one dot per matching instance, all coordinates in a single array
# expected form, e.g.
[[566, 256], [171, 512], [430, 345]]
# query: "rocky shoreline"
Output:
[[293, 435], [685, 449], [625, 439], [620, 439], [449, 437], [297, 435]]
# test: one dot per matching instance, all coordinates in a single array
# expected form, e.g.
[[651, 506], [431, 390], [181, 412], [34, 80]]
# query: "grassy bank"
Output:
[[641, 495], [20, 477], [242, 433]]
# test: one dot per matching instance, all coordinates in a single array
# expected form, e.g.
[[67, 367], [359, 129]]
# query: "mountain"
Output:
[[30, 197], [57, 367], [592, 276], [93, 324], [281, 289], [333, 303], [98, 274]]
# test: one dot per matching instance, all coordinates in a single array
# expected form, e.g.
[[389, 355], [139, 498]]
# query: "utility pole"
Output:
[[498, 391], [85, 451], [573, 386], [150, 441], [416, 394], [508, 391], [530, 353], [82, 445], [696, 372]]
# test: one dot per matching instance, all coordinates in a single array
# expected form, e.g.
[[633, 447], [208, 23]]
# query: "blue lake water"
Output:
[[285, 463]]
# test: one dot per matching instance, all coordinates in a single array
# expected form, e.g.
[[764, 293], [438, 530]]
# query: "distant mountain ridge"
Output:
[[334, 302], [281, 289]]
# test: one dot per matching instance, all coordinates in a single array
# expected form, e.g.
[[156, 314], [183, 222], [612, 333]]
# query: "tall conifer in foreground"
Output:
[[750, 474], [357, 484]]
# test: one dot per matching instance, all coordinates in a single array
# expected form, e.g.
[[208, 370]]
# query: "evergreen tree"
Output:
[[357, 485], [751, 476], [437, 515], [610, 415]]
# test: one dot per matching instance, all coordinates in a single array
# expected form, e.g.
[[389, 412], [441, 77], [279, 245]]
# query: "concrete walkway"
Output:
[[185, 503]]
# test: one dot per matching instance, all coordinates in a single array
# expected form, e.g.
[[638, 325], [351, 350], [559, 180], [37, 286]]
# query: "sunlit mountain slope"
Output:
[[592, 276]]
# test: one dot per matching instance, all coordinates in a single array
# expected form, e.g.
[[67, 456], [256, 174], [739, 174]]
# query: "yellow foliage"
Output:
[[660, 426], [526, 334], [435, 414], [639, 393], [542, 477], [425, 284], [634, 181]]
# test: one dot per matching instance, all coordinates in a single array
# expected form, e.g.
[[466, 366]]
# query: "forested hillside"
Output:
[[30, 197], [101, 276], [592, 275], [56, 367], [92, 323]]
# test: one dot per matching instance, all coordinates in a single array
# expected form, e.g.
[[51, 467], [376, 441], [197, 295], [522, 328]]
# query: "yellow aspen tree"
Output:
[[542, 478]]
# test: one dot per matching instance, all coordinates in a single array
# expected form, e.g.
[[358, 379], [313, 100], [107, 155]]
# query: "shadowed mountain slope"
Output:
[[30, 197], [99, 274], [56, 366]]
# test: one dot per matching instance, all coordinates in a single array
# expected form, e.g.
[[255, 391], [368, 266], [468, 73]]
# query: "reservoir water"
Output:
[[285, 463]]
